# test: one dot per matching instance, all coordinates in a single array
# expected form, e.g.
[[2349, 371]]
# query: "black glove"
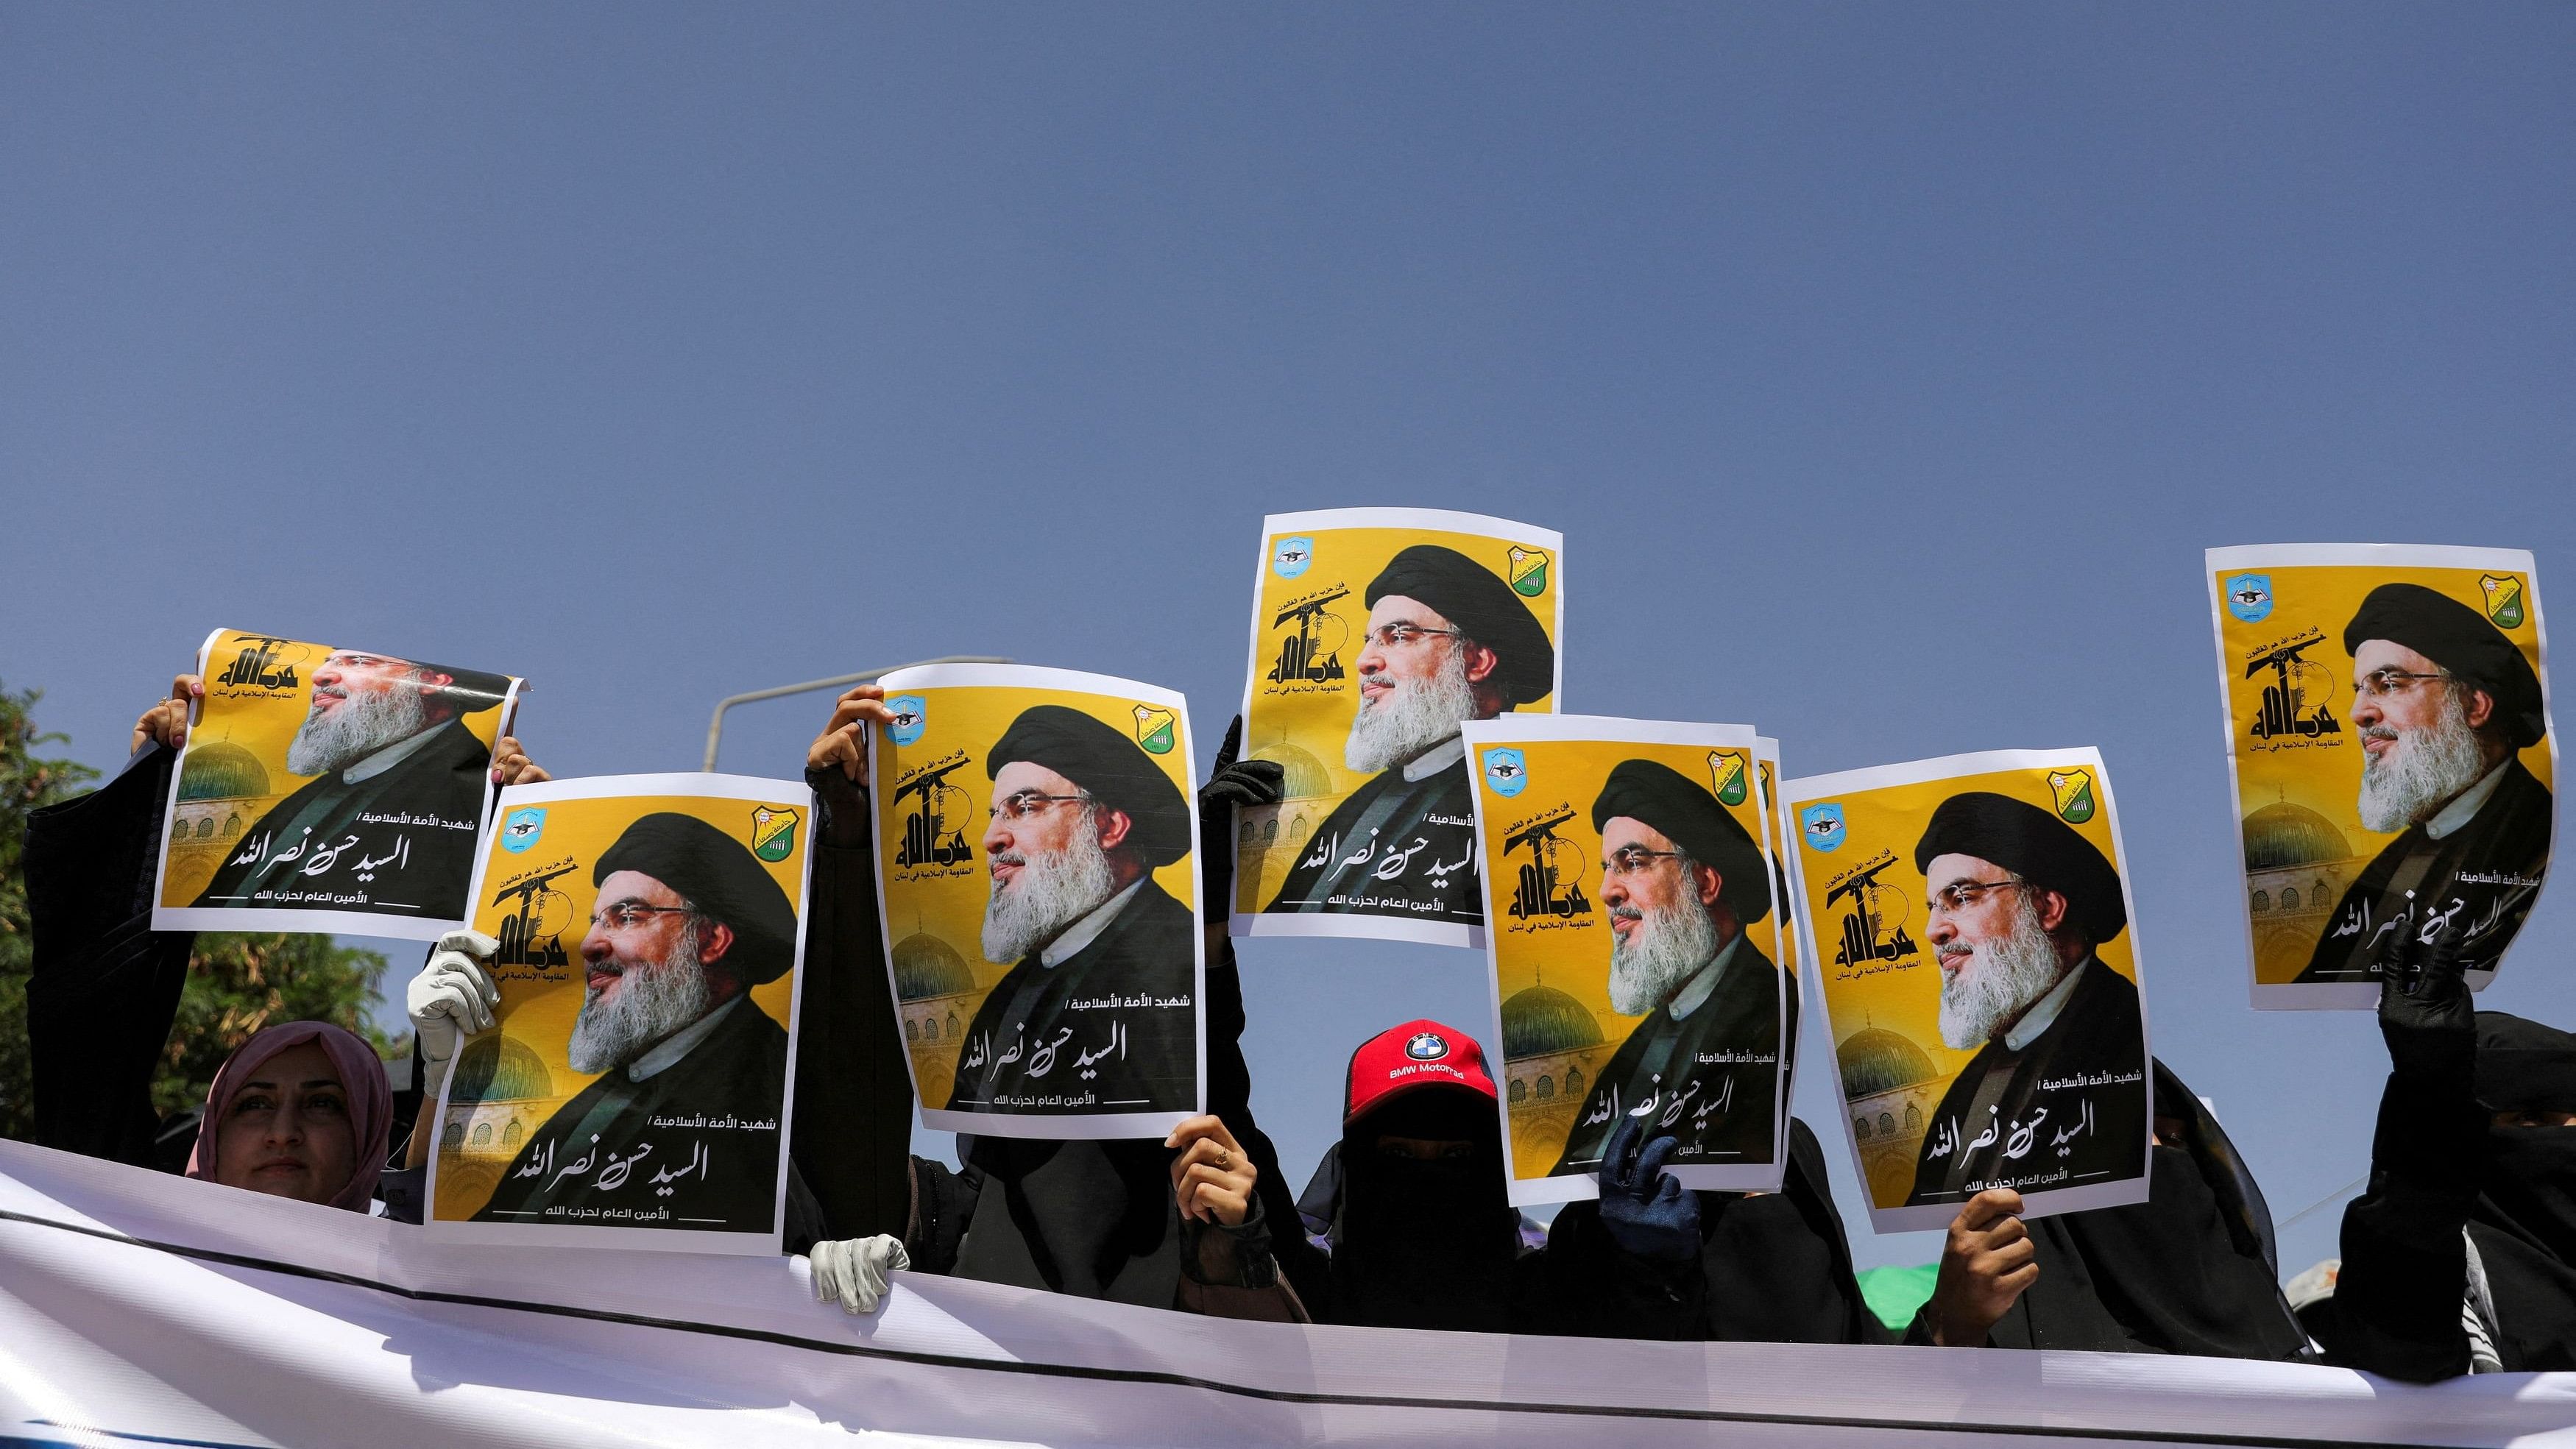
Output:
[[1232, 784], [1646, 1210], [2426, 1014]]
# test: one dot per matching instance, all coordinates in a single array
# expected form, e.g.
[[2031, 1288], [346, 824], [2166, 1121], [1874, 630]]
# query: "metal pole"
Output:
[[715, 726]]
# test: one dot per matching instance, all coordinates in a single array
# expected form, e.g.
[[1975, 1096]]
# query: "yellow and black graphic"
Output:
[[1375, 634], [2391, 755], [637, 1078], [328, 789]]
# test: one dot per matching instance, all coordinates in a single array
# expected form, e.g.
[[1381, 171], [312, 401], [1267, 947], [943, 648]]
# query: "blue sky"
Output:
[[1887, 370]]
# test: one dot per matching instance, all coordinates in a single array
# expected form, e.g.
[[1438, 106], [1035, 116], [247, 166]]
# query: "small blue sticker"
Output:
[[1506, 774], [1290, 557], [2249, 597], [911, 717], [520, 831], [1823, 825]]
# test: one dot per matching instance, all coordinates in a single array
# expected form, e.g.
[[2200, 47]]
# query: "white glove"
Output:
[[452, 998], [855, 1270]]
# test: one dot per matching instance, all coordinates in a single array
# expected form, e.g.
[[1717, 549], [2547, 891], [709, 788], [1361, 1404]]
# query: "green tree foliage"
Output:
[[237, 984]]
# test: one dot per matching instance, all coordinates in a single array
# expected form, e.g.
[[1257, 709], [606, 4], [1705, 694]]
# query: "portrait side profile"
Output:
[[683, 1126], [385, 746], [1099, 1007], [1448, 640], [2443, 704], [1682, 880], [2018, 901]]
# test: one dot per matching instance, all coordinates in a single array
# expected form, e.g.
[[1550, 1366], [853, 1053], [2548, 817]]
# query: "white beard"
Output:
[[2000, 981], [1053, 890], [1669, 946], [2429, 765], [654, 999], [356, 727], [1411, 718]]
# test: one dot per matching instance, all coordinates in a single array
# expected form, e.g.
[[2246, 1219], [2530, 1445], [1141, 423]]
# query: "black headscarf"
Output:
[[2524, 1219], [2191, 1270], [1418, 1244]]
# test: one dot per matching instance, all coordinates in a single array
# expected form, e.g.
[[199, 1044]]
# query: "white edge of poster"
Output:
[[1578, 1187], [2047, 1202], [1766, 751], [1040, 1126], [304, 923], [1358, 926], [2359, 995], [661, 1240]]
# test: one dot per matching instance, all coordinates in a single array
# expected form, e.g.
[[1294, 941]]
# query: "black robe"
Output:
[[2095, 1053], [103, 985], [2192, 1270], [1431, 823], [1773, 1267], [1038, 1022], [2482, 876], [1729, 1046], [442, 787], [722, 1165]]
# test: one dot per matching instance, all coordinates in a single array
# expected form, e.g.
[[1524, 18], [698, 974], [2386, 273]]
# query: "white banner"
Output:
[[138, 1308]]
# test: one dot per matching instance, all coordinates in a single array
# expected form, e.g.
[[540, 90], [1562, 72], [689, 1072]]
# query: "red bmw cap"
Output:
[[1416, 1054]]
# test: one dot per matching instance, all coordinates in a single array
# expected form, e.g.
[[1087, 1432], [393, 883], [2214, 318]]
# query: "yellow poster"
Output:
[[1376, 633], [2387, 713], [1977, 957], [635, 1090], [1633, 947], [325, 789], [1038, 872]]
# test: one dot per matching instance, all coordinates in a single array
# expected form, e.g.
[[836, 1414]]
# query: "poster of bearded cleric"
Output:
[[1376, 633], [634, 1091], [1633, 944], [325, 789], [1978, 959], [1037, 873], [2387, 716]]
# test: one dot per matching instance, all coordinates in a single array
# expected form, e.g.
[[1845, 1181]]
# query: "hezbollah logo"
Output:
[[1529, 571], [2074, 792], [1154, 729], [1726, 776], [2504, 599], [773, 833]]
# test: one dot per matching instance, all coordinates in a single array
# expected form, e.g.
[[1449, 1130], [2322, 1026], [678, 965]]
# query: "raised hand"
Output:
[[166, 722], [1988, 1262], [843, 742], [1645, 1209]]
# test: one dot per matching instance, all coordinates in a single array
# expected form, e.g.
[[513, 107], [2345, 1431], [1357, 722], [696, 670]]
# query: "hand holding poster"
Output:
[[2387, 713], [1980, 974], [1038, 873], [635, 1090], [328, 789], [1377, 632], [1673, 949]]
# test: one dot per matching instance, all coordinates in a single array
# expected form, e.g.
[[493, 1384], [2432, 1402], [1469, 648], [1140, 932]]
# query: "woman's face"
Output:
[[287, 1131]]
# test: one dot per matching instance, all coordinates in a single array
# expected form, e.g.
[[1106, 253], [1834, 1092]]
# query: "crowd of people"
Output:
[[2458, 1257]]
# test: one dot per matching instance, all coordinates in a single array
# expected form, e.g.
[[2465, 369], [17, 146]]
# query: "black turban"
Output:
[[2035, 845], [1484, 608], [1690, 817], [1112, 768], [720, 877], [2461, 640]]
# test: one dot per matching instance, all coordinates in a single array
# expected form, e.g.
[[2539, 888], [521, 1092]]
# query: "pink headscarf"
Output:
[[362, 1077]]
